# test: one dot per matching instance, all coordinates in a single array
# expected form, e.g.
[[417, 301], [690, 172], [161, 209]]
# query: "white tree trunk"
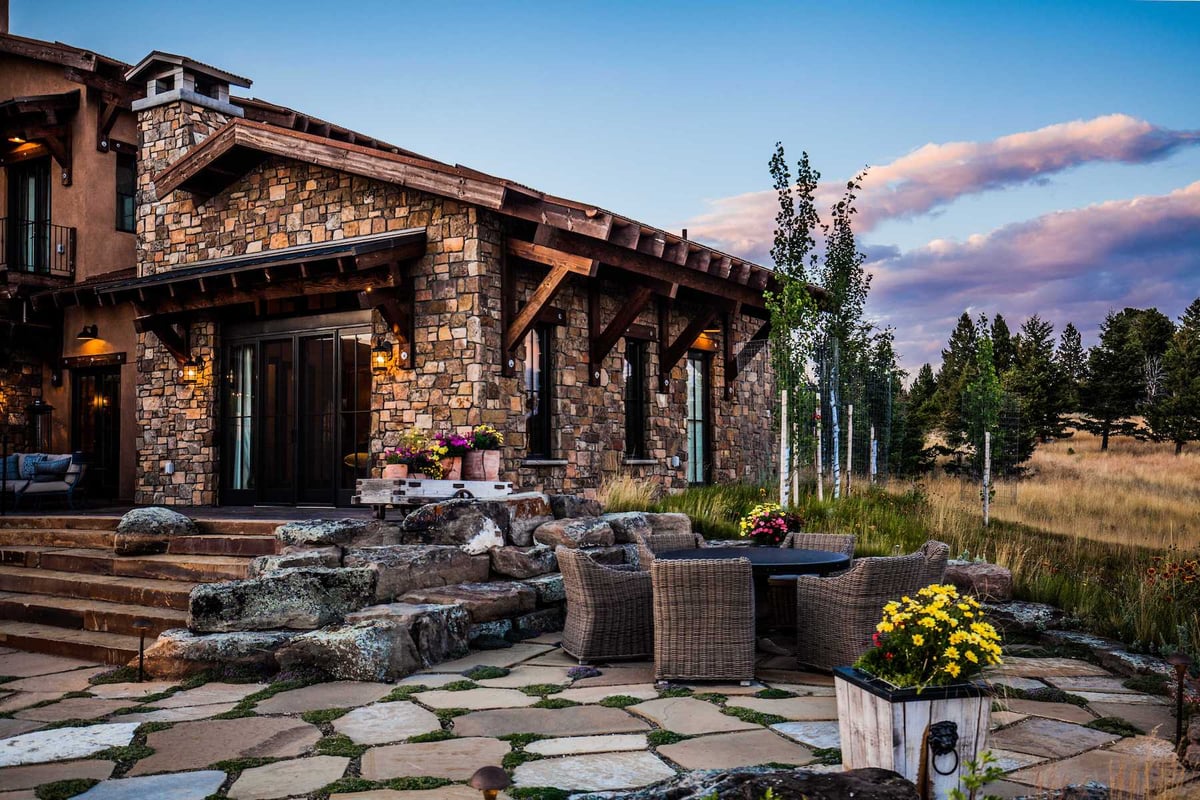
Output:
[[785, 449]]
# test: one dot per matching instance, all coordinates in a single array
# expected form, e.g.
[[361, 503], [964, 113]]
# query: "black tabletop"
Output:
[[770, 559]]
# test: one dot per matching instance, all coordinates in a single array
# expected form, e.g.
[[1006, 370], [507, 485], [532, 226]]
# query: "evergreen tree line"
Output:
[[1141, 379]]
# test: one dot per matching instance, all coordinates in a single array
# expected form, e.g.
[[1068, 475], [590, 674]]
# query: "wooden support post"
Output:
[[664, 340], [602, 342], [849, 446]]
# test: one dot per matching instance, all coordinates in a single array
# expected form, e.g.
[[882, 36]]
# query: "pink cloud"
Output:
[[936, 174]]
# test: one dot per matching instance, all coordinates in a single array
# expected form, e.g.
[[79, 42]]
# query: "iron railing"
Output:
[[37, 248]]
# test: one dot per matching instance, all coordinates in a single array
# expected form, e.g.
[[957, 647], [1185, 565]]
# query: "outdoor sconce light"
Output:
[[381, 355], [1181, 662], [190, 371], [489, 781], [87, 333]]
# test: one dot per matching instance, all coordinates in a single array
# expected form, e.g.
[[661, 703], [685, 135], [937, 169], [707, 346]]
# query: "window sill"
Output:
[[544, 462], [639, 462]]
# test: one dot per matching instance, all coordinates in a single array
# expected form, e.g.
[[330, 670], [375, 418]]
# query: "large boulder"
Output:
[[488, 537], [981, 580], [548, 588], [753, 783], [545, 620], [1022, 616], [524, 562], [566, 506], [178, 653], [401, 568], [669, 522], [438, 631], [456, 521], [324, 532], [484, 602], [626, 524], [378, 649], [144, 531], [575, 533], [296, 599], [294, 557], [526, 511]]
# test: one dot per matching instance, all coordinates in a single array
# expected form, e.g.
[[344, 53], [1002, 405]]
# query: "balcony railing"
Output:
[[37, 248]]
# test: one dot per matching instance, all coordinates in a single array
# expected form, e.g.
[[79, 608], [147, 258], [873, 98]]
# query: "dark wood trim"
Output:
[[646, 333], [602, 342], [550, 257], [679, 348], [100, 360], [174, 336]]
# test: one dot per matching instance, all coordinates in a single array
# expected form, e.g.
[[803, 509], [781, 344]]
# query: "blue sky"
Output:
[[660, 111]]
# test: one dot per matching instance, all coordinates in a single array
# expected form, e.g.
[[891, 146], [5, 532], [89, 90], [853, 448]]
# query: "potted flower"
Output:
[[426, 465], [767, 524], [482, 462], [909, 704], [399, 459], [454, 446]]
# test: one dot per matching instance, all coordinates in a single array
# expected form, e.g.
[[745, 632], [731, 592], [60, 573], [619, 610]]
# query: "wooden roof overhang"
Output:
[[40, 120], [167, 301]]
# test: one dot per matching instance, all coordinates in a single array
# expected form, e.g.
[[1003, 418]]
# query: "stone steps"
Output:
[[16, 536], [196, 568], [90, 615], [224, 544], [106, 648], [150, 592]]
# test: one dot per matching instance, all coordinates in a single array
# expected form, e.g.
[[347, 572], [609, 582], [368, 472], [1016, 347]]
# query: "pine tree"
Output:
[[1072, 361], [923, 386], [1004, 346], [1039, 383], [958, 367], [982, 400], [1174, 416], [911, 454]]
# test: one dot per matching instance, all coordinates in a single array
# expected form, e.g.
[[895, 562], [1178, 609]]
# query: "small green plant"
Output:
[[233, 765], [554, 702], [403, 693], [117, 675], [520, 740], [125, 755], [542, 689], [340, 745], [829, 756], [1115, 726], [61, 790], [711, 697], [774, 694], [1148, 684], [76, 695], [750, 715], [447, 715], [619, 701], [432, 736], [483, 673], [660, 737], [675, 691], [147, 728], [979, 774], [537, 793], [323, 715], [460, 686], [516, 758]]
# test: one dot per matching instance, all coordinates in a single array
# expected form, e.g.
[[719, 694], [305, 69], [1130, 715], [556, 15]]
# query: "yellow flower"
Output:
[[885, 627], [951, 653], [952, 670], [970, 654], [928, 622], [918, 639]]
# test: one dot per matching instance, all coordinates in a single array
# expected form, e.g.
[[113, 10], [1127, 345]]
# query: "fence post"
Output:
[[987, 474], [785, 447], [849, 446], [820, 466], [874, 467]]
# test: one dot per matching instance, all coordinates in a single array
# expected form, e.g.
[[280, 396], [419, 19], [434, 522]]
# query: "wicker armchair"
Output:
[[650, 543], [609, 613], [835, 617], [833, 542], [936, 554], [703, 619]]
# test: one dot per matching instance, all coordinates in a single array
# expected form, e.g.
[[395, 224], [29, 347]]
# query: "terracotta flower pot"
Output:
[[472, 468], [491, 465], [452, 468], [395, 472]]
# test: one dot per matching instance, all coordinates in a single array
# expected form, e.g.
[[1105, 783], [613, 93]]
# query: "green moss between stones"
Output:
[[752, 716], [61, 790], [1115, 726], [340, 745], [520, 740], [460, 686], [774, 694], [554, 702], [323, 715], [403, 693], [659, 738], [712, 697], [1148, 684], [118, 675], [537, 793], [829, 756], [542, 689], [233, 765], [482, 673], [675, 691], [516, 758], [619, 701], [432, 736], [447, 715]]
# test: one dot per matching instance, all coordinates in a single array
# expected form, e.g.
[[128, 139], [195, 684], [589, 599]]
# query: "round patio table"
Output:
[[767, 561]]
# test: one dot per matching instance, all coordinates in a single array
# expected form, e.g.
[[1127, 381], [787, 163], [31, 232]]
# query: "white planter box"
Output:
[[887, 728]]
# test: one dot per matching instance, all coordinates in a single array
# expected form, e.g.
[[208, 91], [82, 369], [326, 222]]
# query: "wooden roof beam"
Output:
[[541, 297], [602, 342], [551, 257], [670, 355]]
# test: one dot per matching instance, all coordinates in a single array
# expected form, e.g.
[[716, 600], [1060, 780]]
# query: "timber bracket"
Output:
[[602, 341], [174, 336]]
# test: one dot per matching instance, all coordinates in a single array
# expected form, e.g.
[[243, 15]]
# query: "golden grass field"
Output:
[[1137, 493]]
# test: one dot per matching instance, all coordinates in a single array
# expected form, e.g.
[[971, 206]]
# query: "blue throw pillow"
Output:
[[9, 467], [29, 465], [50, 470]]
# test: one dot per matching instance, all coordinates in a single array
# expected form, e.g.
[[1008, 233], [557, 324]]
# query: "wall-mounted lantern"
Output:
[[381, 355], [88, 333], [190, 371]]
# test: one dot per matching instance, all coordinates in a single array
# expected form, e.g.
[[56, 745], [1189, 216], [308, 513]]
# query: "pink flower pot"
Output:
[[452, 468], [394, 472], [472, 468], [491, 465]]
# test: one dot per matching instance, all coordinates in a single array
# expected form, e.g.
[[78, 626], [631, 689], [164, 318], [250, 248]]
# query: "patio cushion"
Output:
[[14, 485], [29, 462], [10, 467], [52, 469], [47, 487]]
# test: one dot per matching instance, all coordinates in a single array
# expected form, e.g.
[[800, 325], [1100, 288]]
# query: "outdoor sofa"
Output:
[[34, 477]]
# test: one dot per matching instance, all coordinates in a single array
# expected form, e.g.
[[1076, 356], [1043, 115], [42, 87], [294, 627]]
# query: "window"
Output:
[[697, 418], [126, 189], [537, 392], [635, 399]]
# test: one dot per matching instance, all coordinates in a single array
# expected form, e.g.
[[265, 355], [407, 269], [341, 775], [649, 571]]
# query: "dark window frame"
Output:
[[704, 423], [636, 398], [126, 203], [539, 400]]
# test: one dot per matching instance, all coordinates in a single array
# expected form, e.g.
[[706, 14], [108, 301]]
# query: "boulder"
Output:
[[293, 557], [566, 506], [297, 599], [548, 588], [575, 533], [487, 538], [542, 621], [982, 581], [378, 649], [484, 602], [178, 653], [670, 522], [487, 635], [323, 532], [526, 511], [627, 523], [400, 568], [1024, 616], [456, 521], [438, 631], [145, 531], [524, 562], [1111, 654], [752, 783]]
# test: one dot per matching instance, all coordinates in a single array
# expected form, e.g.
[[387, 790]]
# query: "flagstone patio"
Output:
[[423, 737]]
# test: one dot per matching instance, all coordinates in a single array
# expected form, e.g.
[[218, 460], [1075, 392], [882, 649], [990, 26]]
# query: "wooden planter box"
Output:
[[882, 726]]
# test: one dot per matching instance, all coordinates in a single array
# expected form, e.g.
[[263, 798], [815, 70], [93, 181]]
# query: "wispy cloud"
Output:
[[936, 174], [1066, 266]]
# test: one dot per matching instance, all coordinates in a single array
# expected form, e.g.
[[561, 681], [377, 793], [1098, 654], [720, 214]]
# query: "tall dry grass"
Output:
[[1137, 493]]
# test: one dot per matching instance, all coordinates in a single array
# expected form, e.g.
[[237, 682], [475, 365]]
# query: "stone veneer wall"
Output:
[[20, 385]]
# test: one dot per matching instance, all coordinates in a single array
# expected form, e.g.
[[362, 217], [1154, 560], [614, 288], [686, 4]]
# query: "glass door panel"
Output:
[[96, 427], [355, 412], [317, 419], [277, 441], [697, 418], [238, 404]]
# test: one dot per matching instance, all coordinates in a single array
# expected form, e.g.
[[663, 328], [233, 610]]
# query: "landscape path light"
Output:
[[141, 625], [489, 781], [1181, 662]]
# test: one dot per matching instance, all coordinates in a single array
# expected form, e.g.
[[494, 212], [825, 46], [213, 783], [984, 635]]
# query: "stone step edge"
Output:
[[106, 648]]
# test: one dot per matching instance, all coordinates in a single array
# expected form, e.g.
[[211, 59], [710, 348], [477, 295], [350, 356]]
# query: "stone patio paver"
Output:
[[507, 657], [61, 682], [19, 700], [689, 716], [527, 675], [1016, 682], [172, 786], [192, 745], [1009, 760], [62, 744], [1002, 718], [1049, 738], [806, 689], [595, 772], [1131, 774], [1155, 720], [594, 694], [794, 708], [456, 792], [26, 665], [113, 691], [73, 708], [384, 723], [19, 794], [578, 745], [210, 694], [184, 714], [335, 694], [476, 699], [573, 721], [1089, 683], [1024, 667], [1120, 697], [288, 778], [35, 775], [455, 759], [618, 676], [431, 679], [728, 750], [1065, 712], [15, 727], [814, 734]]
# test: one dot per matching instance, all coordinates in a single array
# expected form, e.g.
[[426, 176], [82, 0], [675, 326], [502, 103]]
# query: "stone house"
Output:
[[303, 295]]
